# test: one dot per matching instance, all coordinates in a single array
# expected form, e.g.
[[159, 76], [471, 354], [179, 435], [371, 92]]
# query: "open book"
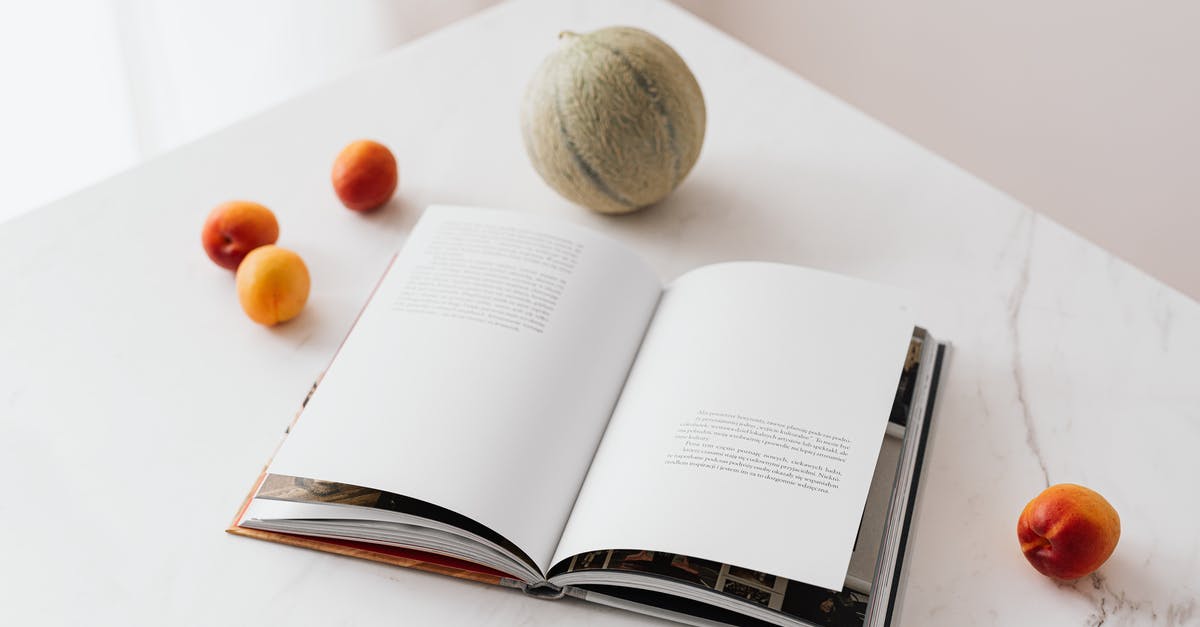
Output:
[[523, 402]]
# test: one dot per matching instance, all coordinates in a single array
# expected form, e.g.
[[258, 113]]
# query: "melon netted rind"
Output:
[[613, 120]]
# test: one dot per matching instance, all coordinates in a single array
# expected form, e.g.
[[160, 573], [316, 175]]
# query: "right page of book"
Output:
[[749, 428]]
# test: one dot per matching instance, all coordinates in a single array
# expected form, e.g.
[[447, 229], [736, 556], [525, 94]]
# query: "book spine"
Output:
[[544, 590]]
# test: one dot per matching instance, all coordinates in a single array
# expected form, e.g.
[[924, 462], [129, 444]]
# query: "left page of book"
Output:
[[481, 375]]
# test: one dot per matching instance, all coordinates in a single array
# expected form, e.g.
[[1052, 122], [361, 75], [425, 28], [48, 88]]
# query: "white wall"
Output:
[[1086, 110], [65, 116], [92, 87]]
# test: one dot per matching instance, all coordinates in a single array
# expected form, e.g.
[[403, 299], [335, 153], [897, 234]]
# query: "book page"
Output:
[[482, 373], [749, 428]]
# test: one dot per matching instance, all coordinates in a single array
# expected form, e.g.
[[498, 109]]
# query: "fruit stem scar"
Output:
[[1036, 543]]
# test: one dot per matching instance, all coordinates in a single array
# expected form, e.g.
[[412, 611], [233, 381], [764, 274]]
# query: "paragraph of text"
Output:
[[761, 448], [502, 276]]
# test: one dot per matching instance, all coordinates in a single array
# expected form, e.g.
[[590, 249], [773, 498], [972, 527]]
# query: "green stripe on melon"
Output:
[[613, 120]]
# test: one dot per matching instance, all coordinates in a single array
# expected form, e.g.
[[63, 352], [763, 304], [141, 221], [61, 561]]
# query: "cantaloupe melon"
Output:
[[613, 119]]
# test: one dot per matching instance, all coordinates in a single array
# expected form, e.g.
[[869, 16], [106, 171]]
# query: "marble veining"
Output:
[[1113, 607], [1015, 301]]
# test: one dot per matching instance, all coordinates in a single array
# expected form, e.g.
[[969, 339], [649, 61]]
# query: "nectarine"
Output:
[[235, 228], [365, 175], [1068, 531], [272, 284]]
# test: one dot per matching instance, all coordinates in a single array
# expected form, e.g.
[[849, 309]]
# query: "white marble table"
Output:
[[137, 403]]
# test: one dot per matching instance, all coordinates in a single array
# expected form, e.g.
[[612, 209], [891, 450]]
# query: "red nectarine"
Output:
[[1068, 531], [235, 228], [365, 175]]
